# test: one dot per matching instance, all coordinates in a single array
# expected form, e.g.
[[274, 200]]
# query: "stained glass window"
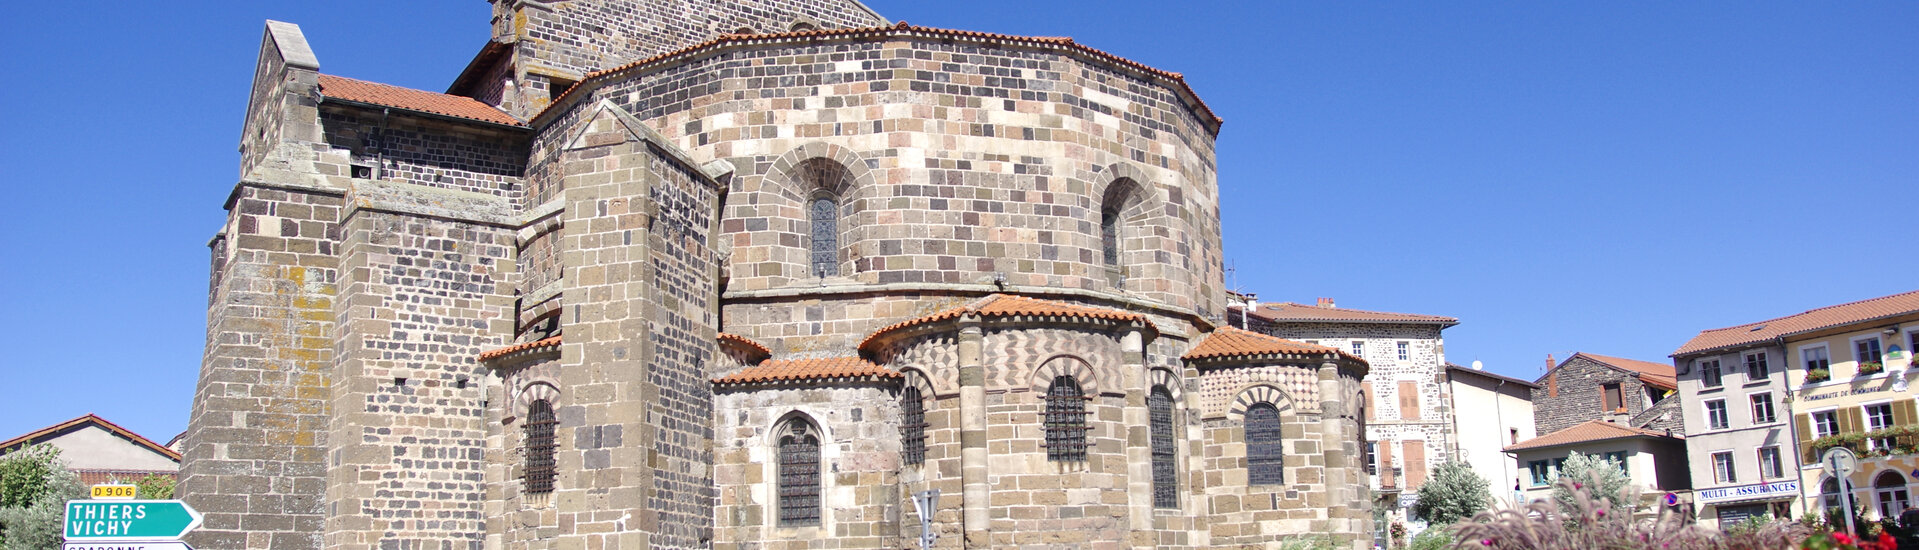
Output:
[[539, 446], [1065, 421], [912, 427], [1264, 464], [826, 236], [1159, 406], [799, 475]]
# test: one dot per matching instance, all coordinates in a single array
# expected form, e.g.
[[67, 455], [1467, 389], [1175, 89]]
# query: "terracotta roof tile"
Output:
[[552, 342], [1013, 305], [1591, 430], [1288, 311], [1658, 375], [40, 435], [799, 370], [901, 28], [415, 100], [1801, 323], [1229, 342], [101, 477], [742, 341]]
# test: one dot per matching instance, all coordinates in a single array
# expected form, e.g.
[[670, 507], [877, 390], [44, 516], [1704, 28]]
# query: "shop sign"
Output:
[[1745, 492]]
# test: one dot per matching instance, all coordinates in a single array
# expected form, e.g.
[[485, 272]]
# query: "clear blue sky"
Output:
[[1599, 176]]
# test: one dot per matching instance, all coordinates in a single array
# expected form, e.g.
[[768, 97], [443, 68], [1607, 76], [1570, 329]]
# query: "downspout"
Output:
[[1785, 375], [379, 147]]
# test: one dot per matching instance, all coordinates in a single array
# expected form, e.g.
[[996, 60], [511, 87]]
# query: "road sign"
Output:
[[115, 492], [117, 520], [134, 545], [1840, 461]]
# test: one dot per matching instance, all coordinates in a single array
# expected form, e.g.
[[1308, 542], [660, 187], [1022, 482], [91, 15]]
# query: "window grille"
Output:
[[1264, 464], [540, 446], [826, 236], [1065, 421], [912, 427], [1159, 406], [799, 475]]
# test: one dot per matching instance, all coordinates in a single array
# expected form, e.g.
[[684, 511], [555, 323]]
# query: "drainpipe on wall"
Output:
[[1785, 375]]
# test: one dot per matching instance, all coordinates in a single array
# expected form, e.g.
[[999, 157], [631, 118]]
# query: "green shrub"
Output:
[[1454, 493], [34, 490]]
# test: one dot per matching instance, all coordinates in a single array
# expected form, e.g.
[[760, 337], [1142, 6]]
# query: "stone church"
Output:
[[747, 274]]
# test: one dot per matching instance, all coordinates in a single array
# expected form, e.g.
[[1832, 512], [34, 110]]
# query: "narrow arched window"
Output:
[[1065, 421], [1890, 490], [799, 475], [539, 446], [824, 212], [912, 427], [1264, 464], [1159, 407], [1109, 236], [1829, 495]]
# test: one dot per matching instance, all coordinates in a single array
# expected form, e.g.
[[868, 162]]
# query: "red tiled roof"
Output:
[[1590, 430], [1659, 375], [99, 477], [797, 370], [1013, 305], [1288, 311], [1229, 342], [742, 341], [414, 100], [1801, 323], [551, 342], [899, 29], [40, 435]]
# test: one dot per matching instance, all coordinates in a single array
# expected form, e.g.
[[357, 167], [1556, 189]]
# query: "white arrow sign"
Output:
[[131, 545]]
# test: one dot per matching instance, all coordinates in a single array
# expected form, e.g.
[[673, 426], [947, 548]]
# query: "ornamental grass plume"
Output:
[[1588, 523]]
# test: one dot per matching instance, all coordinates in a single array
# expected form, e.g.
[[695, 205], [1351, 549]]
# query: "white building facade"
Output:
[[1489, 413]]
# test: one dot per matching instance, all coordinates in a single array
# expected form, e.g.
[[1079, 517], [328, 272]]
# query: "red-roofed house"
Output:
[[1654, 459], [101, 451], [1766, 399]]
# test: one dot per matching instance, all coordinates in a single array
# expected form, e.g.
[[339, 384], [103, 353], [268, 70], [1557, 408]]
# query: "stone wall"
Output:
[[858, 426], [1395, 420], [1570, 394]]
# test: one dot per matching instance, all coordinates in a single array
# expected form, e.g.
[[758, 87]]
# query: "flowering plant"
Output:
[[1818, 375], [1842, 541], [1871, 367]]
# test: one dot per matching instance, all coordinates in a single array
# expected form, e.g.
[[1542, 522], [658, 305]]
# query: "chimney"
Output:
[[1245, 314], [1326, 303], [1550, 363]]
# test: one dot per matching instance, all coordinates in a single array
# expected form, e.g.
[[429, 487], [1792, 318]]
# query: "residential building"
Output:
[[747, 274], [1409, 420], [1489, 413], [1654, 460], [1848, 378], [1744, 460], [101, 451], [1587, 386]]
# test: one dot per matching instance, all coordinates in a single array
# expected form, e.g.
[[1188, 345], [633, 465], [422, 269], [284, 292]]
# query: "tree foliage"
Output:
[[34, 489], [155, 487], [1454, 493], [1602, 479]]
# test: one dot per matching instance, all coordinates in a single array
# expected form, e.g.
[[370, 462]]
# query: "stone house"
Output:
[[1596, 387], [747, 274]]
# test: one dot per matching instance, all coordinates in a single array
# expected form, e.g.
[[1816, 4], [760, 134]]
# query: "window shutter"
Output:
[[1904, 413], [1415, 463], [1852, 420], [1803, 424], [1408, 400], [1386, 478], [1370, 402]]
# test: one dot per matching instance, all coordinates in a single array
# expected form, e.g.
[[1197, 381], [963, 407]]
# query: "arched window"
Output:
[[1829, 495], [799, 475], [539, 446], [1159, 407], [1264, 464], [912, 427], [1065, 421], [803, 26], [824, 213], [1890, 488], [1109, 236]]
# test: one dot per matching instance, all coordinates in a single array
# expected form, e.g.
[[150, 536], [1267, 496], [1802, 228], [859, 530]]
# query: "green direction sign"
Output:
[[101, 520]]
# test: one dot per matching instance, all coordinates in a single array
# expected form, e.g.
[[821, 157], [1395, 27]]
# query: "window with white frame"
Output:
[[1359, 348], [1762, 411], [1866, 350], [1825, 423], [1756, 368], [1816, 358], [1709, 373], [1716, 415], [1722, 469], [1769, 465], [1879, 417], [1405, 351]]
